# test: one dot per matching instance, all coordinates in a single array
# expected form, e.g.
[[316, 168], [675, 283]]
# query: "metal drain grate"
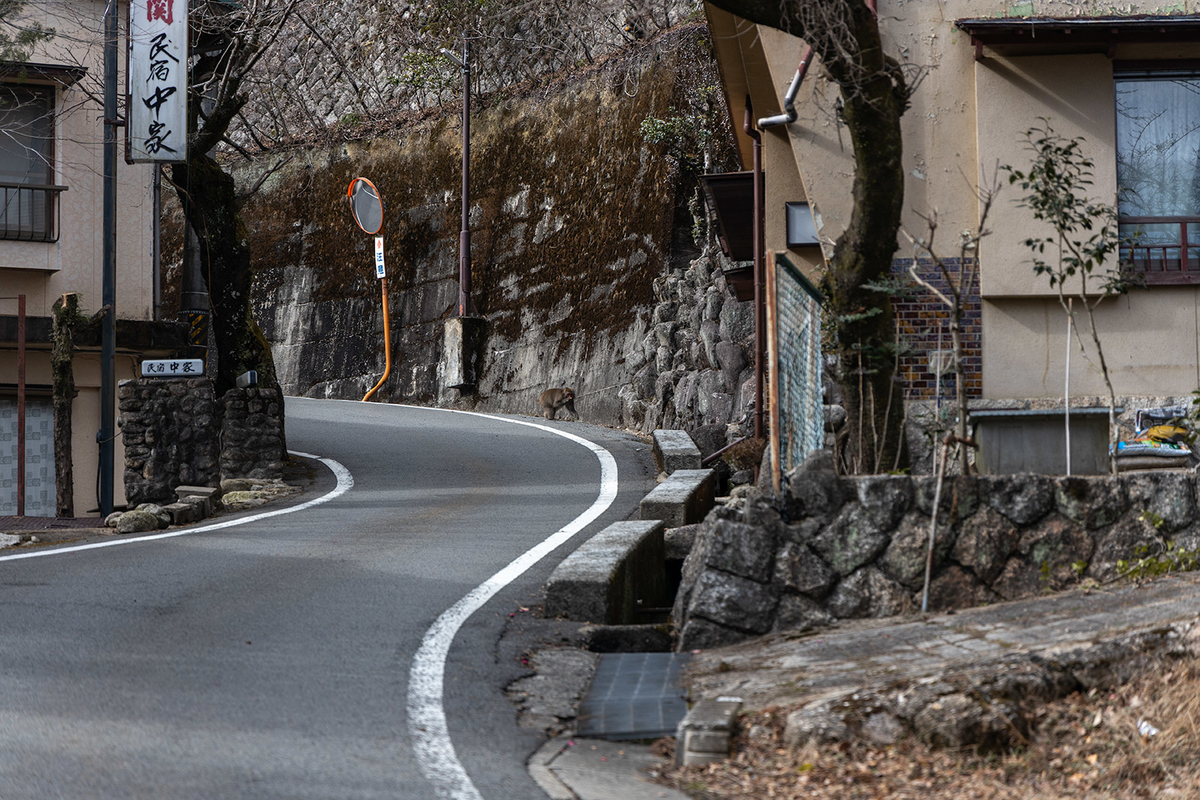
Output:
[[634, 696]]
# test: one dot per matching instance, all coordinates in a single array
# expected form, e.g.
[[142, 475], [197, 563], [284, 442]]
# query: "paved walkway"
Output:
[[12, 523], [790, 668], [568, 768]]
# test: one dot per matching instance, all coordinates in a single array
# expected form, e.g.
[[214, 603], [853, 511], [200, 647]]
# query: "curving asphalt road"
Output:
[[272, 659]]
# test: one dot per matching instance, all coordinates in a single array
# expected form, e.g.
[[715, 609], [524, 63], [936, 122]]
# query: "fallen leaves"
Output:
[[1087, 746]]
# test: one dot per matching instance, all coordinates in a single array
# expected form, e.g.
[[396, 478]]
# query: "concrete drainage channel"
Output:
[[622, 582]]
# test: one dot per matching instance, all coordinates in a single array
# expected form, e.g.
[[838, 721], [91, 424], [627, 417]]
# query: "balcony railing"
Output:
[[1163, 250], [29, 211]]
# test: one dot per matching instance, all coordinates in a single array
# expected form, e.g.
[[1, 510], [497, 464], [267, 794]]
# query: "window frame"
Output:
[[47, 79], [1184, 269]]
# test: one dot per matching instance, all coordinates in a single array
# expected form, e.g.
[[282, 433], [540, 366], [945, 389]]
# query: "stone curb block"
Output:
[[706, 733], [181, 513], [210, 492], [604, 579], [543, 776], [202, 499], [683, 498], [675, 450]]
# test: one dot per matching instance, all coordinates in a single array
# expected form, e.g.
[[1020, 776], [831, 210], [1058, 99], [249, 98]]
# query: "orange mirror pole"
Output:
[[367, 207], [387, 344]]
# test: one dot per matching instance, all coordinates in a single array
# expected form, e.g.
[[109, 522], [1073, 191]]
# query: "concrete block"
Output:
[[682, 499], [708, 742], [705, 734], [675, 450], [202, 507], [462, 349], [604, 580], [211, 492], [690, 759], [181, 513]]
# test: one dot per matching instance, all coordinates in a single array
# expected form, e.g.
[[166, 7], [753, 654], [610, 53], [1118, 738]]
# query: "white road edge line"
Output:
[[345, 481], [426, 714]]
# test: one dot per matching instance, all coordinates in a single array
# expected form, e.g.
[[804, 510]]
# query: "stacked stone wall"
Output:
[[177, 433], [170, 429], [252, 443], [842, 548], [588, 261], [695, 366]]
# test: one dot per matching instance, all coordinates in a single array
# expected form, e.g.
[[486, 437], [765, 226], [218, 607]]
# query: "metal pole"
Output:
[[760, 322], [20, 405], [109, 287], [760, 293], [465, 308], [156, 244], [387, 344]]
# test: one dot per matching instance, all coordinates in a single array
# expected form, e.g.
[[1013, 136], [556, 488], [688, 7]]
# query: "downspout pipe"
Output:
[[789, 99], [760, 320]]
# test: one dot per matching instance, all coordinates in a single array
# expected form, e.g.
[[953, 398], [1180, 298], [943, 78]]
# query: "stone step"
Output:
[[706, 733]]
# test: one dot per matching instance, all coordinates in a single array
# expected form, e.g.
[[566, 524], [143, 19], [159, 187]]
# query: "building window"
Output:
[[27, 163], [1158, 172]]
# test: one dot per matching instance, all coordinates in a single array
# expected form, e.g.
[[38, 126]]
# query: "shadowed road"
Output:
[[272, 659]]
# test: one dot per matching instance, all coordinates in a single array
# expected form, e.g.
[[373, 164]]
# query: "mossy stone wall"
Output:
[[573, 216]]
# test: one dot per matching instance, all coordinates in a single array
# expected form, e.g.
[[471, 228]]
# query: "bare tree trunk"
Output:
[[65, 322], [1112, 395], [210, 203], [845, 35], [960, 392]]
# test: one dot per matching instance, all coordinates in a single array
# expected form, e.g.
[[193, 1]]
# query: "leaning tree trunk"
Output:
[[845, 35], [875, 97], [210, 204]]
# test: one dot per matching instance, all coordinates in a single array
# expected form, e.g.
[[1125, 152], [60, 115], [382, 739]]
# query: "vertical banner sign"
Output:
[[157, 91], [379, 271]]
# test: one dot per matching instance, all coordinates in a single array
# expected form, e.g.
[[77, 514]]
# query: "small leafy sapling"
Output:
[[1081, 258]]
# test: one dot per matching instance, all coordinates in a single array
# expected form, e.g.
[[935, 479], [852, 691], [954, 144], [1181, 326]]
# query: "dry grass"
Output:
[[1083, 746]]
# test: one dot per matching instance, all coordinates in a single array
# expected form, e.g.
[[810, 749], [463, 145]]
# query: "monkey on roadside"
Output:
[[554, 399]]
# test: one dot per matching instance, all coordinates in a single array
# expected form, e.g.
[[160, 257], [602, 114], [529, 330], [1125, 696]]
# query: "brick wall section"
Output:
[[919, 318]]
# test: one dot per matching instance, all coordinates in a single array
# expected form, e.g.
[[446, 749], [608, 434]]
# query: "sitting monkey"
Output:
[[554, 399]]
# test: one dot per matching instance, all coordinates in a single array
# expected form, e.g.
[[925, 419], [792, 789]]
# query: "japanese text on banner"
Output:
[[157, 113]]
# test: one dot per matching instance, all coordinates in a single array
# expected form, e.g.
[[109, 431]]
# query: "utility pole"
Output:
[[465, 307], [465, 334], [108, 334]]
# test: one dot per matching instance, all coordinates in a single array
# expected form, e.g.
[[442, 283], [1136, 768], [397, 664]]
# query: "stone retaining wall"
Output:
[[170, 428], [252, 444], [839, 548], [177, 432]]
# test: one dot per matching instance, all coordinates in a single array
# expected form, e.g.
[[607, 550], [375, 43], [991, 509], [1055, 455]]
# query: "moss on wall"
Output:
[[572, 210]]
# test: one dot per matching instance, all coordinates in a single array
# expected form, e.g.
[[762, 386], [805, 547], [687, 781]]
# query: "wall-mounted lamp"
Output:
[[801, 230]]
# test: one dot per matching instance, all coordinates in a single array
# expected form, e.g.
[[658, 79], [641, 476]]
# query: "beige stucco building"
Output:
[[1129, 86], [51, 174]]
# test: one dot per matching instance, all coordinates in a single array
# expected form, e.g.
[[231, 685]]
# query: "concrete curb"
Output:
[[706, 733], [605, 578], [675, 450], [543, 776], [683, 498]]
